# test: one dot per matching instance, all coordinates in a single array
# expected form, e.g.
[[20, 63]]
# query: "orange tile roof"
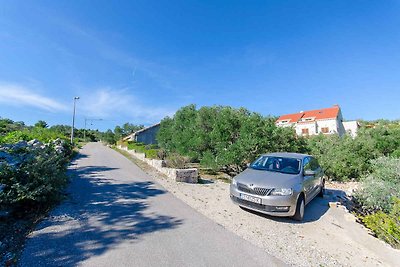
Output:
[[318, 114]]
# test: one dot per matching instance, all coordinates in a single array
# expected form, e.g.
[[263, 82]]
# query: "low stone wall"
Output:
[[179, 175]]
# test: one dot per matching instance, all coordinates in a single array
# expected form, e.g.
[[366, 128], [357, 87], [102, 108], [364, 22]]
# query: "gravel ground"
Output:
[[326, 237]]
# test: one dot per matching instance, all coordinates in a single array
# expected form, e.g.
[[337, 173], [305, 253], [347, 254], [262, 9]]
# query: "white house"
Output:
[[351, 127], [312, 122]]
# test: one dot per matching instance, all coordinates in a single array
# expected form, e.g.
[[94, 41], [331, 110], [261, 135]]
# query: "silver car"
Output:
[[279, 184]]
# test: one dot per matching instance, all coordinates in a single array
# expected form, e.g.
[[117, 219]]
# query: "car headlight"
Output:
[[281, 192], [234, 183]]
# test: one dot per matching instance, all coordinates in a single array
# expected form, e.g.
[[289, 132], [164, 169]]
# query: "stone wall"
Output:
[[179, 175]]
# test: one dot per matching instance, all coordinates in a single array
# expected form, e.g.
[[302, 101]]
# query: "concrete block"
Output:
[[179, 175], [187, 175], [158, 164]]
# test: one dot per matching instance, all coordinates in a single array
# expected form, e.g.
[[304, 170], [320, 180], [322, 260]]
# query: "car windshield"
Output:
[[277, 164]]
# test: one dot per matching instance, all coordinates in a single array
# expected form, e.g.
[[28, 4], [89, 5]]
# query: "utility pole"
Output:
[[91, 120], [73, 120]]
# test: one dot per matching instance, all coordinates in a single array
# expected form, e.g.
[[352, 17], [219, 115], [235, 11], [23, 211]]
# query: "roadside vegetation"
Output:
[[151, 151], [33, 165], [226, 139]]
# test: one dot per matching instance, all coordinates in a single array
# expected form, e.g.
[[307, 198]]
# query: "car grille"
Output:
[[259, 191], [249, 204], [256, 206]]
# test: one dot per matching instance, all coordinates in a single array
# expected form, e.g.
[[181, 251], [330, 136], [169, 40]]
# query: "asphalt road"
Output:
[[117, 215]]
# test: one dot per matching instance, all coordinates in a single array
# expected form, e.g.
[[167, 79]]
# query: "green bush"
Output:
[[342, 158], [151, 153], [39, 177], [42, 134], [209, 161], [138, 147], [177, 161], [376, 194], [381, 185], [396, 153], [386, 226]]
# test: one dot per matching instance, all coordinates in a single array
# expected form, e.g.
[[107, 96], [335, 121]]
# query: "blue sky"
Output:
[[138, 61]]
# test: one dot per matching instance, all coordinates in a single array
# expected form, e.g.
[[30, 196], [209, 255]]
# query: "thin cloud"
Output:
[[111, 103], [160, 73], [18, 95]]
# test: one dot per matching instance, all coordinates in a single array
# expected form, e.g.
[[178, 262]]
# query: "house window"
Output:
[[304, 131], [325, 129], [307, 119]]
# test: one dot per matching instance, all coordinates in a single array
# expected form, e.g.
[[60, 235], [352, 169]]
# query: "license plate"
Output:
[[250, 198]]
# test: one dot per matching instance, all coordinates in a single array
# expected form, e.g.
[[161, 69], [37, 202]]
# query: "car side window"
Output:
[[306, 164], [314, 164], [317, 164]]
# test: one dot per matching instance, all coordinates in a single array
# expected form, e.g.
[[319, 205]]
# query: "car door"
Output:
[[308, 180], [317, 177]]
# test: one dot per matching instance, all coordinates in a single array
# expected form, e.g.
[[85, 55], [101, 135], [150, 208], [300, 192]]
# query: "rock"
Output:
[[19, 145], [35, 143], [59, 149], [187, 175]]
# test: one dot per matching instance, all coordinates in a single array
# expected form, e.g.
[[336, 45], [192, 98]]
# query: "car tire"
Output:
[[322, 190], [299, 215]]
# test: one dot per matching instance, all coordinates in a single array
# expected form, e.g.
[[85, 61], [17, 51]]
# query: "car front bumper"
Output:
[[282, 206]]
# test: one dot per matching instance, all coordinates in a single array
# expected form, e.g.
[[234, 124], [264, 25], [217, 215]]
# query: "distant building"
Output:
[[146, 135], [351, 127], [313, 122]]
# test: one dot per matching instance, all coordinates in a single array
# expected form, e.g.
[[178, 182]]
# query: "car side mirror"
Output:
[[309, 173]]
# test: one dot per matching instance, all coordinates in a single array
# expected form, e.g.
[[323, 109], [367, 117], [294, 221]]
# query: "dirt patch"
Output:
[[14, 228]]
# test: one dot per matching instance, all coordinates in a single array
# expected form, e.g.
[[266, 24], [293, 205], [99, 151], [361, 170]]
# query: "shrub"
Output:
[[176, 161], [38, 177], [42, 134], [161, 153], [209, 161], [376, 194], [396, 153], [151, 153], [386, 226], [138, 147], [342, 158], [150, 150], [381, 186]]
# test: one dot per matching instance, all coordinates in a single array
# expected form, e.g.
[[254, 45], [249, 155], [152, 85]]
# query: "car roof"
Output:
[[288, 155]]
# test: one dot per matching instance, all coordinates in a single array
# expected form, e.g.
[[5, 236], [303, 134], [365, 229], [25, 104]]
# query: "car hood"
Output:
[[268, 179]]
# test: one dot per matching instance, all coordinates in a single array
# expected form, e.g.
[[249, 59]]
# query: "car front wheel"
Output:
[[299, 215], [322, 190]]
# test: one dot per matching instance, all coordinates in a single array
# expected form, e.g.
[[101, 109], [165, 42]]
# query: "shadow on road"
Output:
[[97, 216], [80, 156]]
